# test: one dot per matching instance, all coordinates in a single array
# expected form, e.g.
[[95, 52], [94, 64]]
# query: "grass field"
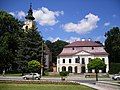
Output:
[[42, 87]]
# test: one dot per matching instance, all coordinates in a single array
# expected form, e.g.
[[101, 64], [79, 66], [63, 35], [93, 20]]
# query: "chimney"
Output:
[[83, 39], [89, 39]]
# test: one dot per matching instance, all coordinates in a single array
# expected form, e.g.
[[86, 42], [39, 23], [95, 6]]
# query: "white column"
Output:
[[66, 68], [107, 68], [73, 69], [60, 68], [86, 69], [93, 70], [79, 69], [100, 71]]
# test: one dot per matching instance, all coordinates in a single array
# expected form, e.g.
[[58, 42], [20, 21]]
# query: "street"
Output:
[[100, 85]]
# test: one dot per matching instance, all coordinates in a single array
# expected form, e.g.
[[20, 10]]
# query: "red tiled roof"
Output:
[[92, 53], [84, 44]]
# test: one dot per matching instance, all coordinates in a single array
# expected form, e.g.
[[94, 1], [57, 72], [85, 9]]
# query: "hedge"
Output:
[[38, 82], [114, 68]]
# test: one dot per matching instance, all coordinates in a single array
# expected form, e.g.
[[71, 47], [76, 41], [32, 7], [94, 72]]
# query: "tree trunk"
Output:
[[96, 76]]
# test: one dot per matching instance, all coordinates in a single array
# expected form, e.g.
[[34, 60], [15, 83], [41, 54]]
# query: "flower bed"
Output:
[[38, 82]]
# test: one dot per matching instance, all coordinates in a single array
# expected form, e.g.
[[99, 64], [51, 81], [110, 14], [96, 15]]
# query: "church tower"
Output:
[[29, 23]]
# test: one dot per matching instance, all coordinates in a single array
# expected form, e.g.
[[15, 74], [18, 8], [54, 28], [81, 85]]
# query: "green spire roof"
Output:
[[30, 13]]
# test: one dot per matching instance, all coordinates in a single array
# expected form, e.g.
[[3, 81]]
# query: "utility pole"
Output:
[[42, 57]]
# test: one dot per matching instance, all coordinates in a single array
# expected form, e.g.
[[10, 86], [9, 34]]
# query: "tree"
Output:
[[63, 74], [31, 48], [112, 44], [33, 66], [96, 64], [56, 48], [10, 33]]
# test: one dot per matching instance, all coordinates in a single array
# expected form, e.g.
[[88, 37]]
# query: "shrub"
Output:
[[64, 73], [46, 72], [38, 82], [33, 66], [114, 68]]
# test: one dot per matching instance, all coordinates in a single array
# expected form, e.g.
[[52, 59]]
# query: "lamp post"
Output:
[[42, 56]]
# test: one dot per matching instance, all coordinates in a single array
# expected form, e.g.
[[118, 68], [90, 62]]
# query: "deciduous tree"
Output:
[[96, 64], [112, 44]]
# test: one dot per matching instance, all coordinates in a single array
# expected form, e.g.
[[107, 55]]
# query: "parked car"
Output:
[[33, 76], [116, 77]]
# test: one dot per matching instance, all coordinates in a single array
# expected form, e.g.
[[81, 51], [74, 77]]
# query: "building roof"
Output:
[[91, 53], [84, 44], [30, 14], [98, 48]]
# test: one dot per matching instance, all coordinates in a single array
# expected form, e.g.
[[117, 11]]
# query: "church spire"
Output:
[[30, 13]]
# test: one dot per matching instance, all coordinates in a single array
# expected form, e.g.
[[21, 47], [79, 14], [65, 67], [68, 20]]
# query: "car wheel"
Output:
[[36, 78], [25, 78], [118, 78]]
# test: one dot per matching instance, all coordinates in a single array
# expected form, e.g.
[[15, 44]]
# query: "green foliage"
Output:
[[33, 66], [10, 34], [18, 47], [64, 73], [46, 72], [114, 68], [96, 64], [31, 47], [112, 44], [56, 48]]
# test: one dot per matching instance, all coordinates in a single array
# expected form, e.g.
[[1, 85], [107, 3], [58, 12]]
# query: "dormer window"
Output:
[[73, 48], [92, 48]]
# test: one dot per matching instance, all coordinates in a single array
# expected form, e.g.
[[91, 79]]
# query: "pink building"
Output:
[[75, 56]]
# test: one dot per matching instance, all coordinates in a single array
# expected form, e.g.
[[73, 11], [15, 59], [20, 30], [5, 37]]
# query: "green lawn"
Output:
[[42, 87]]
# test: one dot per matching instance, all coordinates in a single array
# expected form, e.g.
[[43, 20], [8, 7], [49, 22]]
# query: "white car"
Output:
[[33, 76], [116, 77]]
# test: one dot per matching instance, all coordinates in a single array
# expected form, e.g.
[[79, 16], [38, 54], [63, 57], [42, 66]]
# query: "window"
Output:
[[83, 60], [70, 69], [103, 59], [89, 59], [77, 60], [69, 60], [63, 60], [63, 68], [73, 48], [92, 48]]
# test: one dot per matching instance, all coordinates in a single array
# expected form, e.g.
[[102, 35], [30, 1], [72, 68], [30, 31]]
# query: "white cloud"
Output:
[[107, 24], [21, 14], [12, 13], [18, 14], [71, 39], [83, 26], [53, 39], [43, 16], [46, 17]]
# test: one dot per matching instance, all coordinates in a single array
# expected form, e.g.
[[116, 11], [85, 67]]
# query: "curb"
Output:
[[110, 83], [88, 85]]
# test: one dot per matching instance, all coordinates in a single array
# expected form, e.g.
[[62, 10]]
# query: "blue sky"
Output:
[[68, 20]]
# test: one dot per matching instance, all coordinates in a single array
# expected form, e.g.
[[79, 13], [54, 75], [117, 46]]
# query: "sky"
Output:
[[68, 20]]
